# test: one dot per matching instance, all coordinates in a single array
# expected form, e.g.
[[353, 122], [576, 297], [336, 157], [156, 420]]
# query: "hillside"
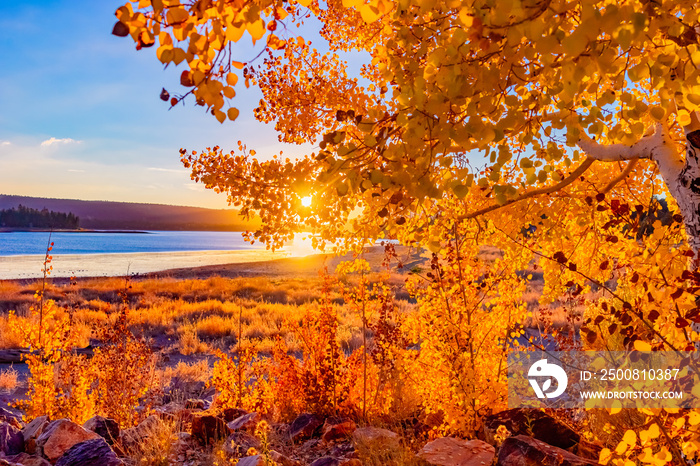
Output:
[[107, 215]]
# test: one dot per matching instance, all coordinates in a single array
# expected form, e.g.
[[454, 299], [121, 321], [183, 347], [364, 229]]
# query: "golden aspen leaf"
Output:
[[640, 345], [256, 29], [237, 64], [304, 3], [232, 79], [229, 92], [621, 448], [657, 113], [466, 17], [178, 55], [605, 456], [176, 15], [683, 117], [233, 33], [221, 116], [630, 438], [232, 113], [369, 13]]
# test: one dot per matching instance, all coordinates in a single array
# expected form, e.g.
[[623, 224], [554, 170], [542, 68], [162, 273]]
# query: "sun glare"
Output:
[[306, 201]]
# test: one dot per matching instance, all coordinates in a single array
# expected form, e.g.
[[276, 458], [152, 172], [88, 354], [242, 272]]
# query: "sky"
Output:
[[81, 118]]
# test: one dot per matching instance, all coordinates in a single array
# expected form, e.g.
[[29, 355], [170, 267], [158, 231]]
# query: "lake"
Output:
[[32, 243], [113, 254]]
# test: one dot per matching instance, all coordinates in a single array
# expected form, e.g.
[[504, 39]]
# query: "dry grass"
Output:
[[9, 380]]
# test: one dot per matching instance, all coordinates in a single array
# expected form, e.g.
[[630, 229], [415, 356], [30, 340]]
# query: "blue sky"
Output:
[[80, 115]]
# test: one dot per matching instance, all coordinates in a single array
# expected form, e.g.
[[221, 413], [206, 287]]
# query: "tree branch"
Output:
[[642, 149]]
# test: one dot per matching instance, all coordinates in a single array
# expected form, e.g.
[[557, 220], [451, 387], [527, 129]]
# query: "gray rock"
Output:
[[256, 460], [245, 422], [304, 427], [59, 436], [448, 451], [94, 452], [25, 459], [524, 451], [11, 440], [106, 428], [32, 431], [326, 461]]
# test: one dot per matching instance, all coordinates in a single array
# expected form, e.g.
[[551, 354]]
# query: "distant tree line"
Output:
[[25, 217]]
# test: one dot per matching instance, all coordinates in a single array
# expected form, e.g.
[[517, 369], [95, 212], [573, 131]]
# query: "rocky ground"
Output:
[[194, 432]]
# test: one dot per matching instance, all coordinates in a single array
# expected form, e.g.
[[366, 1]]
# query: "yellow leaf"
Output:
[[232, 79], [304, 2], [657, 113], [237, 64], [177, 15], [221, 116], [233, 113], [605, 456], [466, 17], [630, 438], [256, 29], [640, 345], [683, 117], [369, 13]]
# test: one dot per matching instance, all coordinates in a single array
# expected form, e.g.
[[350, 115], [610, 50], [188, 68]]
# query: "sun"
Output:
[[306, 201]]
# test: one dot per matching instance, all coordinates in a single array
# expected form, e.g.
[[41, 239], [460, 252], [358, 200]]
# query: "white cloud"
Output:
[[179, 171], [5, 143], [51, 141]]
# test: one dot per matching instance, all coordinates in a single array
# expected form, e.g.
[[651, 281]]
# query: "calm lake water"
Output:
[[33, 243]]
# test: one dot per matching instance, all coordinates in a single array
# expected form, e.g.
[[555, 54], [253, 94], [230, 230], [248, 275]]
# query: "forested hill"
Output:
[[106, 215]]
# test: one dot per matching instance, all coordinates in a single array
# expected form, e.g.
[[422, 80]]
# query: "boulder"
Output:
[[449, 451], [245, 422], [175, 412], [207, 428], [106, 428], [11, 417], [304, 427], [25, 459], [337, 428], [11, 440], [231, 414], [527, 451], [256, 460], [131, 437], [195, 404], [94, 452], [32, 431], [375, 438], [238, 443], [59, 436], [4, 462], [325, 461], [282, 460], [532, 423]]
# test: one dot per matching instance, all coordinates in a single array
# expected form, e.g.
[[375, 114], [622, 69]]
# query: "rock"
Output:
[[238, 444], [59, 436], [303, 427], [448, 451], [11, 440], [106, 428], [526, 451], [11, 417], [175, 412], [256, 460], [335, 429], [532, 423], [207, 428], [195, 404], [282, 460], [4, 462], [325, 461], [129, 438], [245, 422], [25, 459], [32, 431], [375, 438], [94, 452], [345, 449], [231, 414]]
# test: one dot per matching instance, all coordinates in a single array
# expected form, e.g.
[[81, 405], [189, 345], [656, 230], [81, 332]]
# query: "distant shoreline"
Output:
[[81, 230]]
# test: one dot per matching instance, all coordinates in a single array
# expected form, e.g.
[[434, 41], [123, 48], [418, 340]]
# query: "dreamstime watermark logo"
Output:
[[552, 371]]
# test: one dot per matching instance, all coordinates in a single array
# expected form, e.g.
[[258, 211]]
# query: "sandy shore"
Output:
[[106, 265]]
